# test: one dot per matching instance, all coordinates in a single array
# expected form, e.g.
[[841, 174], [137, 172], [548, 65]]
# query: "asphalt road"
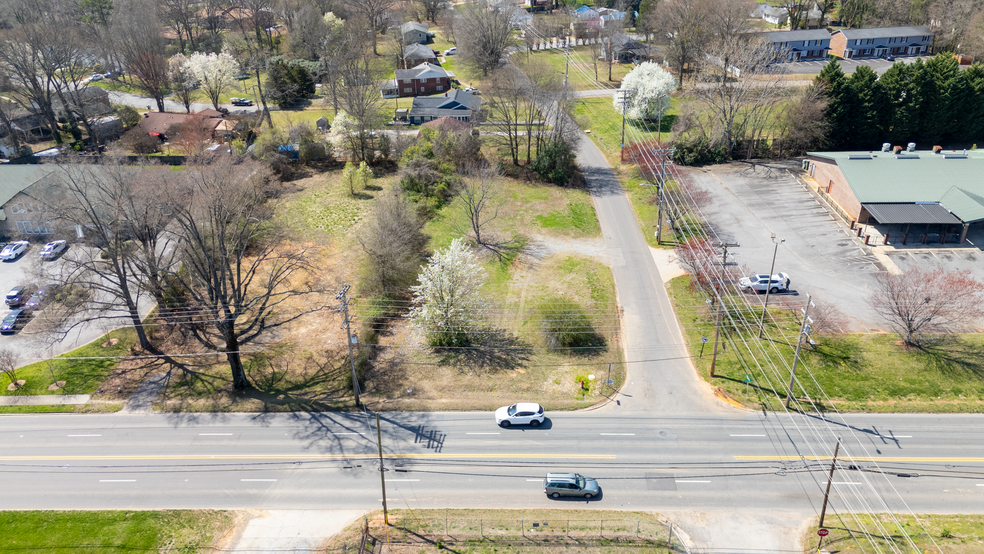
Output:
[[679, 462]]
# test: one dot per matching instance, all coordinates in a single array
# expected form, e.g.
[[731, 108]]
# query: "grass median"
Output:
[[857, 533], [857, 373], [113, 532], [511, 531]]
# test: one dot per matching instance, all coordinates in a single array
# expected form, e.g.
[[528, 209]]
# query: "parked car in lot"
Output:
[[13, 250], [451, 51], [240, 101], [41, 297], [556, 485], [16, 296], [14, 320], [521, 413], [53, 249], [761, 282]]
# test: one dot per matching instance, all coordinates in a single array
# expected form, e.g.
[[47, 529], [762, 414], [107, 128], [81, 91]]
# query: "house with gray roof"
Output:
[[456, 104], [416, 54], [880, 42], [415, 33], [912, 196], [798, 46]]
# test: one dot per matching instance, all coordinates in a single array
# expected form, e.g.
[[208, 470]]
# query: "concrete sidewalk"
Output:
[[297, 531], [44, 400]]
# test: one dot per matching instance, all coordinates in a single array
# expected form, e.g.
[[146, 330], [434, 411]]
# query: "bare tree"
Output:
[[801, 125], [360, 98], [140, 43], [8, 364], [682, 29], [181, 16], [920, 302], [741, 97], [479, 199], [797, 11], [483, 33], [373, 15], [395, 247], [432, 8], [240, 273]]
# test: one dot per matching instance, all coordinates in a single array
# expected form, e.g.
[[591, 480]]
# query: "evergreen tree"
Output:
[[972, 116], [903, 97], [872, 106], [937, 81], [842, 103]]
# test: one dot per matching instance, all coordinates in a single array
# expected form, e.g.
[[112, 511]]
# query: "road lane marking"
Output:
[[117, 480], [316, 457], [844, 483], [85, 435], [214, 434], [259, 480], [689, 481], [980, 484], [348, 433], [399, 480], [618, 434], [481, 433], [540, 480], [746, 435], [857, 459]]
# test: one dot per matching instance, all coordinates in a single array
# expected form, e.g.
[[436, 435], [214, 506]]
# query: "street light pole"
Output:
[[720, 299], [771, 269]]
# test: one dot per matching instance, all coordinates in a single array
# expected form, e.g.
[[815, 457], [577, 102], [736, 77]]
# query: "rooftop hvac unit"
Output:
[[911, 147], [886, 147], [859, 157]]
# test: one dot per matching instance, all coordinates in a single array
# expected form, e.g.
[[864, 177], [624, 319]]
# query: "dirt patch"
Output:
[[111, 342]]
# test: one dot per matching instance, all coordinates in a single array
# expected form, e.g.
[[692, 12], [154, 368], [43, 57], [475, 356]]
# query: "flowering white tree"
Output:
[[182, 80], [650, 87], [214, 72], [449, 306]]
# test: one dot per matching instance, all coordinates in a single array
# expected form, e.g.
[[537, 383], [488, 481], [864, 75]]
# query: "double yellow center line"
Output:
[[857, 459], [309, 457]]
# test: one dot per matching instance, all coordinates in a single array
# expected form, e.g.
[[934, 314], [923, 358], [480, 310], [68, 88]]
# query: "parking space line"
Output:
[[618, 434], [258, 480], [117, 480], [85, 435]]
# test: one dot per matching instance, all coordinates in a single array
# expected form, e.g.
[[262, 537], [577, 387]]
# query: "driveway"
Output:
[[821, 256], [879, 65]]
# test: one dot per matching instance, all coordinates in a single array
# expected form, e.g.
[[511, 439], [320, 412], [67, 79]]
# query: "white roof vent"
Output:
[[886, 147], [911, 147]]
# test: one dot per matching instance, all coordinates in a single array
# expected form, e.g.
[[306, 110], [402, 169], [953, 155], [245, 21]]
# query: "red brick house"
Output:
[[421, 80]]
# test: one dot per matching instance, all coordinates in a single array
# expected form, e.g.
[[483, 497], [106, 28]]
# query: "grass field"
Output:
[[112, 532], [861, 373], [605, 123], [953, 534], [81, 376], [581, 73]]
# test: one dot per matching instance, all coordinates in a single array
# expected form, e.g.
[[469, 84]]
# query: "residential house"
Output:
[[520, 19], [95, 102], [414, 32], [158, 123], [771, 14], [457, 104], [624, 49], [607, 15], [802, 45], [423, 79], [538, 5], [585, 13], [416, 54], [880, 42]]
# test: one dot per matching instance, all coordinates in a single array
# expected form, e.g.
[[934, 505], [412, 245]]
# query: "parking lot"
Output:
[[879, 65], [820, 254]]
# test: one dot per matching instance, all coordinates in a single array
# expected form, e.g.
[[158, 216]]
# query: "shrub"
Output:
[[699, 152], [554, 163], [129, 116], [138, 141]]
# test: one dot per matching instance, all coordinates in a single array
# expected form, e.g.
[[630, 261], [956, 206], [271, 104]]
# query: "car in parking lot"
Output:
[[451, 51], [521, 413], [16, 296], [14, 320], [556, 485], [761, 282], [53, 249], [41, 297], [240, 101], [13, 250]]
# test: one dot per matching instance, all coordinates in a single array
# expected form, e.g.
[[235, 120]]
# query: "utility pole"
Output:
[[662, 188], [720, 299], [799, 342], [567, 60], [382, 470], [624, 95], [771, 269], [341, 296], [830, 478]]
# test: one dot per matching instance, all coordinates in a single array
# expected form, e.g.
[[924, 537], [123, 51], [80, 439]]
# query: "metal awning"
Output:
[[911, 213]]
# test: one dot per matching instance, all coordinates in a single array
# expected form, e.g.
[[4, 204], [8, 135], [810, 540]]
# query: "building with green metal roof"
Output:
[[942, 190]]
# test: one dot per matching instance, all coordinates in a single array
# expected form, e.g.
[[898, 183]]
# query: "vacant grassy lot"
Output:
[[605, 123], [866, 373], [514, 532], [581, 73], [113, 532], [953, 534], [553, 235], [82, 369]]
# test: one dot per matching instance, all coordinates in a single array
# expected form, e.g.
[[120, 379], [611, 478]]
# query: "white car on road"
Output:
[[13, 250], [761, 283], [521, 413]]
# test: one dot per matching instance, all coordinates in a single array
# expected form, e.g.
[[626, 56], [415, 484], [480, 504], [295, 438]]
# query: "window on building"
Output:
[[407, 81], [408, 90], [439, 87], [18, 208], [33, 227]]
